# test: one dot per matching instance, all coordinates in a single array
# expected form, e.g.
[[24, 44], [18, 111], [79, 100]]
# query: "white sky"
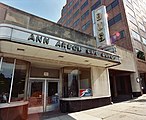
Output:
[[48, 9]]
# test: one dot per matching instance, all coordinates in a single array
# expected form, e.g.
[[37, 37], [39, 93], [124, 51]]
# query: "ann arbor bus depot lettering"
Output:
[[70, 47]]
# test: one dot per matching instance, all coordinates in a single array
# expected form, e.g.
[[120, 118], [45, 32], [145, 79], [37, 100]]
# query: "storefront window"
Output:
[[19, 81], [12, 80], [76, 82], [6, 72]]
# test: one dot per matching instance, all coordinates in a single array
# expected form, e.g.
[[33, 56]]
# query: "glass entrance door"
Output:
[[43, 96], [52, 96], [36, 97]]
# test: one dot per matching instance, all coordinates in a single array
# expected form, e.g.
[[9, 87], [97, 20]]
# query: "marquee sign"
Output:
[[29, 37]]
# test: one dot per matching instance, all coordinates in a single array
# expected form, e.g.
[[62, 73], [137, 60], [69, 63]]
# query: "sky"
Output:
[[48, 9]]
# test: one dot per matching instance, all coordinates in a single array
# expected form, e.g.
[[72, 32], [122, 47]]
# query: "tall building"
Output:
[[47, 67], [127, 27]]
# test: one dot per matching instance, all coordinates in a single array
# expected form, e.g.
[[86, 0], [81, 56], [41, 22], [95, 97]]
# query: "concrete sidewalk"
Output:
[[134, 109]]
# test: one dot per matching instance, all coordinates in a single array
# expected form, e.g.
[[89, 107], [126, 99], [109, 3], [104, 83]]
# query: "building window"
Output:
[[130, 1], [115, 19], [19, 81], [144, 40], [69, 21], [131, 19], [69, 12], [85, 15], [108, 8], [112, 5], [133, 27], [84, 27], [76, 13], [140, 54], [122, 34], [115, 3], [130, 11], [135, 35], [76, 5], [96, 5], [118, 35], [70, 4], [141, 26], [76, 82], [76, 23], [84, 5], [144, 19], [12, 80]]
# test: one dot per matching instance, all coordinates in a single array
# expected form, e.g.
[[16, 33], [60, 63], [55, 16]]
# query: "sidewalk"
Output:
[[134, 109]]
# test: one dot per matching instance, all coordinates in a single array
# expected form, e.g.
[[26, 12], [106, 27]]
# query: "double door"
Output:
[[43, 95]]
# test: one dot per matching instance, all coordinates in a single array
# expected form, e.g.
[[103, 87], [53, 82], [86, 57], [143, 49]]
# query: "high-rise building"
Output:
[[126, 21]]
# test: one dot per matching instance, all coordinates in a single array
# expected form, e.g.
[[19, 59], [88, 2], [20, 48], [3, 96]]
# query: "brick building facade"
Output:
[[126, 21]]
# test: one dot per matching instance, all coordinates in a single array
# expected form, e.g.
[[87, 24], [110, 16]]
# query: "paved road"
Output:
[[130, 110]]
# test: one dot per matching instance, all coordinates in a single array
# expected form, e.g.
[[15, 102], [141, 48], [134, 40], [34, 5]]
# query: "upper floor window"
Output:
[[69, 12], [131, 19], [84, 27], [76, 13], [129, 1], [135, 35], [140, 54], [115, 19], [117, 36], [144, 19], [96, 5], [141, 26], [144, 40], [76, 23], [130, 11], [133, 27], [70, 3], [85, 15], [112, 5], [69, 20], [76, 5], [84, 5]]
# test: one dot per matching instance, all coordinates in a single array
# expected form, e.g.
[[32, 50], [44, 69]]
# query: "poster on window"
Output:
[[85, 92]]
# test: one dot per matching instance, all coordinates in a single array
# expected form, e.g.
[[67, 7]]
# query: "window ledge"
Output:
[[13, 104], [81, 98]]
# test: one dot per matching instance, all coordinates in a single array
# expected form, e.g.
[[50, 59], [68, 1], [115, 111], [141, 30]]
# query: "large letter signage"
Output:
[[100, 27]]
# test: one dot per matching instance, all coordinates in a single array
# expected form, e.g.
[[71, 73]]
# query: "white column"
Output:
[[100, 82], [135, 85]]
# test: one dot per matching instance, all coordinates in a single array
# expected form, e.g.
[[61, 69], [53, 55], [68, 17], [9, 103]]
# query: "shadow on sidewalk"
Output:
[[136, 100], [49, 115]]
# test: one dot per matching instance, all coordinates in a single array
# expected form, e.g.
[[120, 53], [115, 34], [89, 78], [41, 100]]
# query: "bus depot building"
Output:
[[47, 67]]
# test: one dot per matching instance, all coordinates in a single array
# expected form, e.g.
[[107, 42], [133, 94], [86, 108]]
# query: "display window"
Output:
[[12, 80], [77, 82]]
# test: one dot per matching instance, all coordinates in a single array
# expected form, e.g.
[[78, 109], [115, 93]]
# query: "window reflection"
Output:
[[76, 82], [5, 79], [19, 81], [73, 83], [6, 72]]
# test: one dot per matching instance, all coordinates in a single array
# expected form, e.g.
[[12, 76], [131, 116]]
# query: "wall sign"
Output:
[[100, 26], [34, 38]]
